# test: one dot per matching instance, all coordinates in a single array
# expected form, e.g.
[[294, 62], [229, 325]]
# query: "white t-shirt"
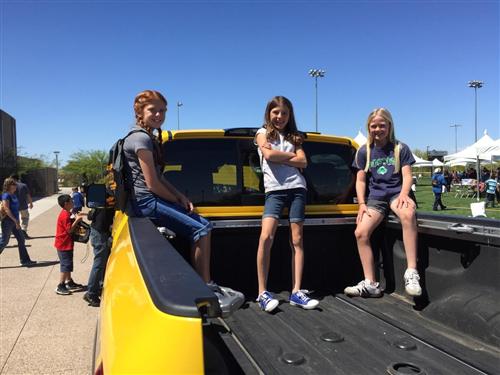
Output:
[[279, 176]]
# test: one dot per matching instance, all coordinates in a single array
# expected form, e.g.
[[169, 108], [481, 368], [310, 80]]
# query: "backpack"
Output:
[[116, 168], [3, 214]]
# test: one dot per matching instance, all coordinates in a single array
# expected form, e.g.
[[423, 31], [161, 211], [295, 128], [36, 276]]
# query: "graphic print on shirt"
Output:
[[381, 164]]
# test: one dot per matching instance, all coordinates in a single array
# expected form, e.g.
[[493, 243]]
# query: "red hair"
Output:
[[141, 100]]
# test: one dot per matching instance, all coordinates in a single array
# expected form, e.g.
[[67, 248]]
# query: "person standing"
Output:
[[281, 154], [385, 164], [25, 202], [78, 201], [438, 181], [100, 238], [10, 224], [64, 244], [491, 190]]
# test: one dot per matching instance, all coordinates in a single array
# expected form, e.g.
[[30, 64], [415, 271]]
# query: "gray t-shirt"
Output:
[[135, 178]]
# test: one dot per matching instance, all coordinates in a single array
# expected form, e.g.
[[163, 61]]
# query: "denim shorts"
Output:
[[174, 217], [294, 199], [382, 206], [65, 260]]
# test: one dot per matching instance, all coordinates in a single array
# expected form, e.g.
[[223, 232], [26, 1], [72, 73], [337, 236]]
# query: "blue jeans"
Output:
[[8, 227], [101, 244], [174, 217]]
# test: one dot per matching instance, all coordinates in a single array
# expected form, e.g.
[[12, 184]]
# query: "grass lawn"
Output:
[[454, 206]]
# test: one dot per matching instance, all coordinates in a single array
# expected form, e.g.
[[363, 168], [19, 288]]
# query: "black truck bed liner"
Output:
[[354, 336]]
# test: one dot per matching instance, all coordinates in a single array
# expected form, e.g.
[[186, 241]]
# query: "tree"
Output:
[[420, 153], [85, 167], [26, 163]]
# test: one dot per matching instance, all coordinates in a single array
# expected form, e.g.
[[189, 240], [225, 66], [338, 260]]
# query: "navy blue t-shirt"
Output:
[[383, 183], [22, 195]]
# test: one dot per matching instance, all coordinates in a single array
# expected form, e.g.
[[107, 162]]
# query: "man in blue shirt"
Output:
[[438, 181], [78, 202]]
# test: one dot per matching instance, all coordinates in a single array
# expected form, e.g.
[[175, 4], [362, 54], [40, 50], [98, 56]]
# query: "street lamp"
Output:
[[476, 85], [179, 104], [455, 126], [428, 152], [315, 73], [57, 169]]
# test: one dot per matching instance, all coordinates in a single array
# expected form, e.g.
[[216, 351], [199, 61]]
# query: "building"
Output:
[[8, 145]]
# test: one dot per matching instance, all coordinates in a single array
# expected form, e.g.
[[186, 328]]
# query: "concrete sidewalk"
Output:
[[42, 332]]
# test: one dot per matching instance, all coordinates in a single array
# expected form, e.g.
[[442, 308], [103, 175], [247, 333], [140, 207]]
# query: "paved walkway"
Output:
[[42, 332]]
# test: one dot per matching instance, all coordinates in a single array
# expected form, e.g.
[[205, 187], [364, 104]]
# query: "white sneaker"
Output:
[[364, 289], [412, 284]]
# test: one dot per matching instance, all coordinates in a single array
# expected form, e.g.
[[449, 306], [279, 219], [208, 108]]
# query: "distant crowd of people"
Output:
[[489, 184]]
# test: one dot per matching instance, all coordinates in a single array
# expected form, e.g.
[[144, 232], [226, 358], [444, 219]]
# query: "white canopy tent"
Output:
[[360, 138], [419, 162], [473, 151], [491, 153], [437, 163]]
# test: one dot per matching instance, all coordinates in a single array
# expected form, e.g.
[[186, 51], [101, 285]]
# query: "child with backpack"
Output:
[[151, 195], [385, 165], [280, 150]]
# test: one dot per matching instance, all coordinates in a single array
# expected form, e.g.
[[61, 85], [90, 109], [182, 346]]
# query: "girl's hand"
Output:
[[268, 146], [404, 201], [363, 209], [186, 203], [18, 226]]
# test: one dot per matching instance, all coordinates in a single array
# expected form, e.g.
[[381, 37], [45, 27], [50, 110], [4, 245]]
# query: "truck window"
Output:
[[205, 170], [328, 174], [227, 172]]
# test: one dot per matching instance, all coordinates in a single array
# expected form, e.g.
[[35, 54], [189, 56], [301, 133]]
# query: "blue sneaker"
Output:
[[300, 299], [267, 302]]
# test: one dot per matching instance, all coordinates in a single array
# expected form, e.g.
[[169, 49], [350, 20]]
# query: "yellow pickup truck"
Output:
[[158, 317]]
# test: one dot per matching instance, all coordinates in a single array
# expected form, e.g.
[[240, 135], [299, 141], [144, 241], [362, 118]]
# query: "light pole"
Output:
[[315, 73], [455, 126], [428, 152], [57, 170], [179, 105], [476, 85]]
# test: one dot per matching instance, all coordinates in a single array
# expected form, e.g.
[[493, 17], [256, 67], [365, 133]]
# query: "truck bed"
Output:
[[351, 336]]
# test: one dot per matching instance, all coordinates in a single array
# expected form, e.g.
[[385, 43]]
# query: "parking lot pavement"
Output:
[[42, 332]]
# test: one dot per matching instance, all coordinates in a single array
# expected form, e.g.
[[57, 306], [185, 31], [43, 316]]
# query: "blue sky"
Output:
[[71, 69]]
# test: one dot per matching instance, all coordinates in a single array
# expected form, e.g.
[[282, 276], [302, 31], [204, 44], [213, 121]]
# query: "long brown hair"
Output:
[[291, 132], [141, 100]]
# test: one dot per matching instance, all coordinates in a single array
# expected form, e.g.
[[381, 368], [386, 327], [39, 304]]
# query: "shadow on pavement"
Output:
[[36, 265]]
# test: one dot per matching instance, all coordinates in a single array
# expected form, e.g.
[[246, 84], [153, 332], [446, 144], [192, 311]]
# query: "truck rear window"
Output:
[[226, 171]]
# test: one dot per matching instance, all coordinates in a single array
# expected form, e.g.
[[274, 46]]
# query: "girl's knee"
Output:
[[296, 242], [407, 217], [361, 234], [266, 238]]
